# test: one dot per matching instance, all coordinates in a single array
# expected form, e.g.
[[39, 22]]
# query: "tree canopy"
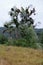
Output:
[[20, 18]]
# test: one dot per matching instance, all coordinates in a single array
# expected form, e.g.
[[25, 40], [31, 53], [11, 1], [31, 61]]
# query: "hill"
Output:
[[10, 55], [7, 34], [38, 31]]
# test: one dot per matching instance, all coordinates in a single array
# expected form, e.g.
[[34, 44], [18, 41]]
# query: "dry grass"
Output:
[[10, 55]]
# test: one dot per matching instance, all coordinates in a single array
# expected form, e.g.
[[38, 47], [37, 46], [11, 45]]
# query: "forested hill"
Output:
[[39, 30], [1, 31], [3, 28]]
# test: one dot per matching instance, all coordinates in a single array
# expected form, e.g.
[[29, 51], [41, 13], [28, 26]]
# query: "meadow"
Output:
[[13, 55]]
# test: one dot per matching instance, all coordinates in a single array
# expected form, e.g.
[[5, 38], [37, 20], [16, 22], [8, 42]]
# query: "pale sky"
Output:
[[5, 6]]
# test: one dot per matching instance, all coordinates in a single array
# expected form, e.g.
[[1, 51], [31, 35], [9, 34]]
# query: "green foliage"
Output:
[[33, 38], [22, 28], [24, 43], [27, 41], [41, 39], [25, 19], [21, 42], [3, 39], [29, 34]]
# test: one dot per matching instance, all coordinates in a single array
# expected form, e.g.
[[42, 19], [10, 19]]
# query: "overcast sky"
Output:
[[5, 6]]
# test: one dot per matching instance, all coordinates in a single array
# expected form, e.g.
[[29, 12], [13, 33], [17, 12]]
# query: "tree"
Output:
[[20, 18]]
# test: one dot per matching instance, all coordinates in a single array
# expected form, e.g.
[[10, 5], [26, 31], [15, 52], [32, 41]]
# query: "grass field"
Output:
[[11, 55]]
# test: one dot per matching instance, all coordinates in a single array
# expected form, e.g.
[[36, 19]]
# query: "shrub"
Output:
[[3, 39]]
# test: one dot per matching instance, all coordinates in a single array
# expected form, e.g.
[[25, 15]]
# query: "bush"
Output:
[[41, 37], [16, 42], [21, 42], [3, 39], [31, 35]]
